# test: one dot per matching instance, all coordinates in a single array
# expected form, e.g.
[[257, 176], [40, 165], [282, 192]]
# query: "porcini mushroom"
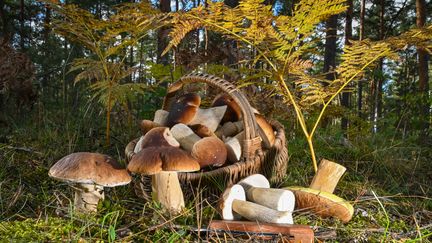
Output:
[[234, 147], [207, 151], [164, 163], [158, 136], [89, 173], [233, 200], [266, 131], [202, 131], [322, 203], [258, 190], [233, 112], [186, 110], [320, 199], [147, 125]]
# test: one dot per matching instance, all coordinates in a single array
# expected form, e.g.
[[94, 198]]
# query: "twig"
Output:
[[25, 149]]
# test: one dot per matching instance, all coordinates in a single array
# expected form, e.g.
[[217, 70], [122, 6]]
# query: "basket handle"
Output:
[[252, 141]]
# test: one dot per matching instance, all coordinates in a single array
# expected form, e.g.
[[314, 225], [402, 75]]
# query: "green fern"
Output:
[[107, 40], [281, 42]]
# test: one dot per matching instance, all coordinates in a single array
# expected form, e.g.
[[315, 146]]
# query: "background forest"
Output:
[[80, 77]]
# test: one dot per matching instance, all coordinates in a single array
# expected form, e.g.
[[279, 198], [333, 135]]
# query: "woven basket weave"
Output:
[[271, 162]]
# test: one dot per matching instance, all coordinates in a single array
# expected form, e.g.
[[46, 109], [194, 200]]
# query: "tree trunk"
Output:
[[330, 53], [361, 36], [162, 36], [348, 35], [423, 71], [379, 80], [21, 20]]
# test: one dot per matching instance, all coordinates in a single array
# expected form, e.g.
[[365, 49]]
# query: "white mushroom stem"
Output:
[[255, 212], [210, 117], [185, 136], [166, 190], [277, 199], [257, 189], [327, 176], [161, 117], [234, 147], [229, 129], [87, 197]]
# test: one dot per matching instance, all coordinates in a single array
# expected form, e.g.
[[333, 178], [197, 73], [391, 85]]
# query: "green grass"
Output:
[[388, 181]]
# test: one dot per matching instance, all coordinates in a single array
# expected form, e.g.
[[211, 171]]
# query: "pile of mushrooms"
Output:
[[203, 138], [253, 199]]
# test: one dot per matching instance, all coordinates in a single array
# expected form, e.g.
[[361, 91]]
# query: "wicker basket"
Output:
[[271, 162]]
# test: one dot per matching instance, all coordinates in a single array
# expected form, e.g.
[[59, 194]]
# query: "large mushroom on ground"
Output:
[[319, 197], [322, 203], [88, 174], [163, 162]]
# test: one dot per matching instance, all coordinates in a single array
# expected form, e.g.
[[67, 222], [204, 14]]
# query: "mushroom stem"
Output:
[[210, 117], [167, 191], [327, 176], [255, 212], [278, 199], [229, 128], [161, 117], [185, 136], [87, 197], [234, 147]]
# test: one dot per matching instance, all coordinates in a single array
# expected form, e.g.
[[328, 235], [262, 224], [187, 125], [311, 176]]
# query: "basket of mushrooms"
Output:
[[190, 148]]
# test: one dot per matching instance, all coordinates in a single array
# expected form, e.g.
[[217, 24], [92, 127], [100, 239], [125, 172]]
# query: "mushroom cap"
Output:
[[159, 136], [255, 180], [322, 203], [90, 168], [209, 151], [236, 192], [202, 130], [266, 130], [147, 125], [184, 109], [233, 112], [153, 160]]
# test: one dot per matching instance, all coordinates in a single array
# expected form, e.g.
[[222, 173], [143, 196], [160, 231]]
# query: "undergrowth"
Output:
[[388, 181]]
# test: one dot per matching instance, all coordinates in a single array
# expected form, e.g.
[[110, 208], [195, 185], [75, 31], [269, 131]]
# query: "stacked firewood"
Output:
[[212, 136]]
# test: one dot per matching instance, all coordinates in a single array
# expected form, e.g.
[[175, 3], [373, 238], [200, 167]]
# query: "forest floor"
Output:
[[388, 181]]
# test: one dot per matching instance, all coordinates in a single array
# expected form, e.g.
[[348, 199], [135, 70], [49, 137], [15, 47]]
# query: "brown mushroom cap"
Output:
[[265, 129], [159, 136], [90, 168], [153, 160], [322, 203], [201, 130], [147, 125], [233, 112], [209, 151], [184, 109]]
